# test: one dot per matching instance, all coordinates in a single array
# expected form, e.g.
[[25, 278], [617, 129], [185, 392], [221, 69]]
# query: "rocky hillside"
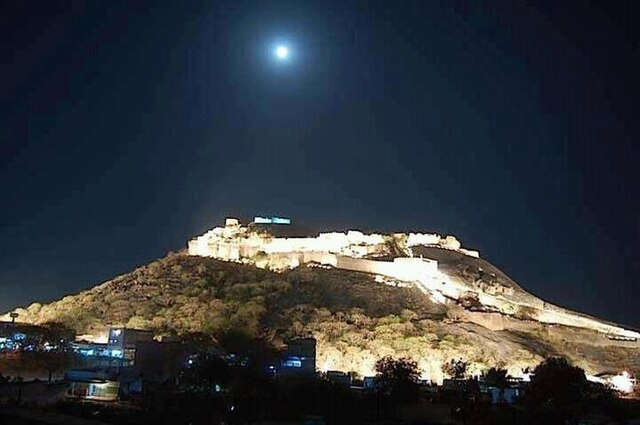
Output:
[[356, 318]]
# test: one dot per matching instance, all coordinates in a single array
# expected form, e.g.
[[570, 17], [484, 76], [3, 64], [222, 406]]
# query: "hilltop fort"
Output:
[[401, 258]]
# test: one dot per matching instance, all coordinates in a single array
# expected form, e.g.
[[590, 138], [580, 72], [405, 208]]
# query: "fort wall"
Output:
[[407, 269], [233, 242]]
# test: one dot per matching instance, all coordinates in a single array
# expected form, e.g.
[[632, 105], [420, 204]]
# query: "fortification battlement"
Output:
[[235, 241]]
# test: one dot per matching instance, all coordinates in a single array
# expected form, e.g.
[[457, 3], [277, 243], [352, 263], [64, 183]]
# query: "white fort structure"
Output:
[[352, 250], [390, 257]]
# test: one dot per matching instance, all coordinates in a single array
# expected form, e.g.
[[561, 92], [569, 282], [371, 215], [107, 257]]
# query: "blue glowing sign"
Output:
[[271, 220], [281, 220], [292, 362], [19, 336]]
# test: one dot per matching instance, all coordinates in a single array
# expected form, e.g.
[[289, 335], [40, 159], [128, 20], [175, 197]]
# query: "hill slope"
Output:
[[355, 317]]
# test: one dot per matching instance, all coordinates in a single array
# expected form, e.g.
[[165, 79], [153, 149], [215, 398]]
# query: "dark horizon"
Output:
[[126, 128]]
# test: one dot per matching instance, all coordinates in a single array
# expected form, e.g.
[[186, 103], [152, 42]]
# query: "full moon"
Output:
[[282, 52]]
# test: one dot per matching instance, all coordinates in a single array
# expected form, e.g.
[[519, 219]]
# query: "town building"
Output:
[[299, 358], [92, 384], [123, 342], [16, 336]]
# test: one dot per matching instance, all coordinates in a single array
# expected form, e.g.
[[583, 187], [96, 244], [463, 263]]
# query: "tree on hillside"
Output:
[[398, 378], [496, 377], [256, 350], [558, 387], [457, 369], [199, 341]]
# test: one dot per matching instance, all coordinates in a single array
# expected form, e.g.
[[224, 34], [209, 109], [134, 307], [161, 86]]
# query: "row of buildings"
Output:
[[131, 359]]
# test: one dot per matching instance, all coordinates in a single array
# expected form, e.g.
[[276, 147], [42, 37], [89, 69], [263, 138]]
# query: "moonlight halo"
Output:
[[282, 52]]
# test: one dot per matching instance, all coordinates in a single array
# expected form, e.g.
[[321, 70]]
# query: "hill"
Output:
[[356, 317]]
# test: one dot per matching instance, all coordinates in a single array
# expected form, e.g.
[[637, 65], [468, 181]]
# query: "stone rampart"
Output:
[[407, 269], [234, 241]]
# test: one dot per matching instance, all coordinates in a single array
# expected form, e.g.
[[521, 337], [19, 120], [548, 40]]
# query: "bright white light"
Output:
[[622, 382], [282, 52]]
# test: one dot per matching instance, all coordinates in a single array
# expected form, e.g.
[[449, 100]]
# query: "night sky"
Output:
[[128, 127]]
